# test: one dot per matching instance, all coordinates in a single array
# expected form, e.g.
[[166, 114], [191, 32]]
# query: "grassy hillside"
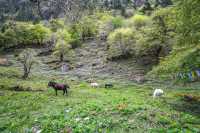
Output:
[[136, 45], [124, 108]]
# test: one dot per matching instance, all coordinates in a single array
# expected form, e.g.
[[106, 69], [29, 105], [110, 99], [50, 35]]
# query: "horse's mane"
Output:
[[52, 83]]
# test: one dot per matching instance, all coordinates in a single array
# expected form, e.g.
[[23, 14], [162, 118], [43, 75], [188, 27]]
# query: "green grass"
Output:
[[124, 108]]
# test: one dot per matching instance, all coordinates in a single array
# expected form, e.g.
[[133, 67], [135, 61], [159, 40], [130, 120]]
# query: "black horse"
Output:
[[57, 86], [109, 85]]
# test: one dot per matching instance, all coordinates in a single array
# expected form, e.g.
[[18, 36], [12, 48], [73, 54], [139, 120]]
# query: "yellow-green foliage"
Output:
[[8, 38], [121, 42], [164, 24], [185, 18], [63, 41], [93, 25], [24, 33], [103, 16], [182, 60], [56, 24], [39, 33], [138, 21], [104, 24], [117, 22], [187, 22], [147, 42], [167, 14], [86, 28]]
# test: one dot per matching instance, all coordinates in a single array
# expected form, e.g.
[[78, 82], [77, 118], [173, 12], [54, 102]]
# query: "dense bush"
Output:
[[145, 42], [107, 24], [138, 21], [187, 22], [99, 24], [24, 34], [8, 39], [76, 36], [63, 46], [164, 24], [39, 34], [183, 60], [117, 22], [121, 43], [86, 28], [185, 55], [56, 24]]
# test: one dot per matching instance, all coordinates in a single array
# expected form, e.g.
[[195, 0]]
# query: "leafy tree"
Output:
[[28, 60], [121, 43], [137, 21], [9, 38], [187, 20], [63, 46], [22, 33], [56, 24], [163, 27], [39, 33]]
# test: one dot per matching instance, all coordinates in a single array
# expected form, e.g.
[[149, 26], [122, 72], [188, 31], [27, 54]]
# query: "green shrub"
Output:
[[2, 39], [103, 16], [24, 34], [138, 21], [9, 38], [87, 28], [76, 36], [164, 24], [56, 24], [39, 34], [63, 46], [121, 43], [107, 23], [182, 60], [117, 22], [146, 42]]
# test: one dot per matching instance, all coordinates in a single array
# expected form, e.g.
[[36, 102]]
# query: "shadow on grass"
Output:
[[190, 107]]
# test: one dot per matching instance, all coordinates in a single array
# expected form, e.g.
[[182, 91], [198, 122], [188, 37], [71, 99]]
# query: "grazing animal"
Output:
[[94, 85], [108, 85], [3, 61], [57, 86], [158, 93]]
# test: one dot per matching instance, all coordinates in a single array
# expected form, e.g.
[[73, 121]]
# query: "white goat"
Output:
[[94, 85], [158, 93]]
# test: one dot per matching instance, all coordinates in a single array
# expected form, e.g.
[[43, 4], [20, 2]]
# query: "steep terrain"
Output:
[[89, 62]]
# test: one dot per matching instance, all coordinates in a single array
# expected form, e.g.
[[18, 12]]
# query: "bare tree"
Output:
[[27, 59]]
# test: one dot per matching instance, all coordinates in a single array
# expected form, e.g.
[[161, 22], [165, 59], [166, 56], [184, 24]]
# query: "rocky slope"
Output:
[[89, 62]]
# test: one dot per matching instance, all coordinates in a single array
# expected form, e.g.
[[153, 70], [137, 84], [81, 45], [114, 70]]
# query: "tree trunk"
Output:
[[25, 76], [26, 71], [61, 57]]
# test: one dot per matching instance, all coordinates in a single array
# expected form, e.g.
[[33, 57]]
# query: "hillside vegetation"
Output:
[[132, 46]]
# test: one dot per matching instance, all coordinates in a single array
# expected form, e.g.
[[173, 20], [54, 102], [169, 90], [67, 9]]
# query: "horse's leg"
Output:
[[66, 91], [56, 92], [63, 92]]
